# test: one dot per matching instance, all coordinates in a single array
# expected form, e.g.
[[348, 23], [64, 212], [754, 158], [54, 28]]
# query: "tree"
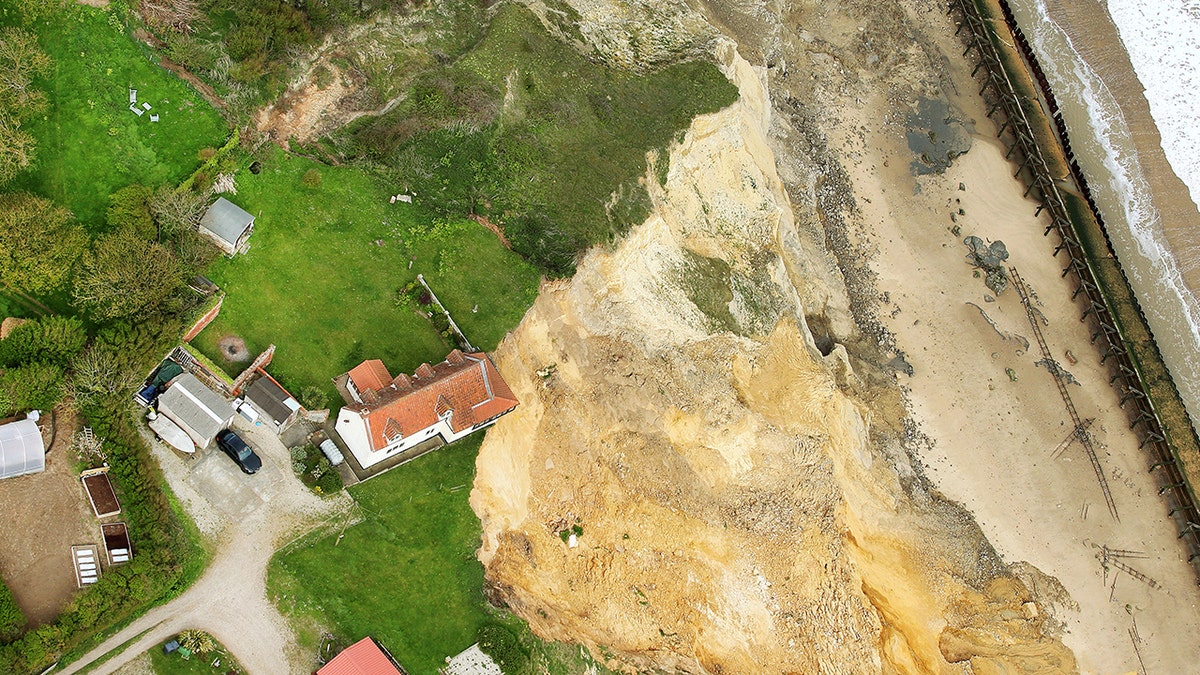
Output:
[[36, 386], [101, 371], [21, 60], [176, 211], [129, 208], [124, 275], [54, 340], [39, 243]]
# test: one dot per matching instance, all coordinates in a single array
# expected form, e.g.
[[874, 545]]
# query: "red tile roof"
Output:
[[370, 375], [467, 386], [361, 658]]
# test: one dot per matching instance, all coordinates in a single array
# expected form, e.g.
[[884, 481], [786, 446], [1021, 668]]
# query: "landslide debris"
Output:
[[691, 485]]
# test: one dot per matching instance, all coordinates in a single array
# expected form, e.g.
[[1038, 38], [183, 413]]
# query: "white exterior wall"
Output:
[[352, 427]]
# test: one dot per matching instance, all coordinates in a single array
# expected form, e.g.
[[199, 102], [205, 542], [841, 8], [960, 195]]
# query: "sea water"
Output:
[[1151, 216]]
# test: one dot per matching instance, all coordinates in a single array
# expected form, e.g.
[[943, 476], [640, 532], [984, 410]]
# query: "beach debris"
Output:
[[1057, 370], [1060, 382], [1110, 557], [1071, 357], [1012, 374], [962, 187], [1077, 434], [989, 258]]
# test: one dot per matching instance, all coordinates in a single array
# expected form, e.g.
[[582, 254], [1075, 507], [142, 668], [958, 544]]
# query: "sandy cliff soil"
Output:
[[742, 507], [749, 411]]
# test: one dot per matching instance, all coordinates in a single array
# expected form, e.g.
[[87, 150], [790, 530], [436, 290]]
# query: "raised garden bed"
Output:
[[100, 492], [116, 543]]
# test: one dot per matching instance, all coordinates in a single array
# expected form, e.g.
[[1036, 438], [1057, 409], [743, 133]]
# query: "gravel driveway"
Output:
[[249, 517]]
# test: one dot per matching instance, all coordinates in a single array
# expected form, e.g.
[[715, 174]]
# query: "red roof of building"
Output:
[[466, 386], [370, 375], [361, 658]]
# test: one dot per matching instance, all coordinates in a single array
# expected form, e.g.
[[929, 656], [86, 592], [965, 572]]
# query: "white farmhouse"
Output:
[[388, 415]]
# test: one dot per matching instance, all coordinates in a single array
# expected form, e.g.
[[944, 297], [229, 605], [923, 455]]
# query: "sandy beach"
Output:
[[993, 435]]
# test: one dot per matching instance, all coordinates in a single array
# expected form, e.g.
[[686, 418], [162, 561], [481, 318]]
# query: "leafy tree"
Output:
[[35, 386], [124, 275], [99, 372], [176, 211], [141, 345], [39, 243], [129, 208], [54, 340], [21, 60]]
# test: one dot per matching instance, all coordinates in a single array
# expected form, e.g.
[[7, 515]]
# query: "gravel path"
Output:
[[251, 516]]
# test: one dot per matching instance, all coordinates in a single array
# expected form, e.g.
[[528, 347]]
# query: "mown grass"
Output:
[[324, 265], [89, 143], [407, 573], [542, 140]]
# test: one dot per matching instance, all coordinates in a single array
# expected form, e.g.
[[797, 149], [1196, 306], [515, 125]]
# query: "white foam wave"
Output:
[[1162, 38], [1141, 219]]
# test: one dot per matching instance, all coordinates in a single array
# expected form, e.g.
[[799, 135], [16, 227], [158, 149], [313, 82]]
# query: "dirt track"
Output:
[[254, 515]]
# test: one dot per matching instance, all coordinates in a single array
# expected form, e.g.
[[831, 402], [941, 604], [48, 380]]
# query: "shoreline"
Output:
[[1138, 365], [1153, 221]]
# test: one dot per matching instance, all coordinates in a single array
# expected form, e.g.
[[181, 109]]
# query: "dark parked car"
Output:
[[238, 451]]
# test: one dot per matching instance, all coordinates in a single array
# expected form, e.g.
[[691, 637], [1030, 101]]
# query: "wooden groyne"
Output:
[[1019, 97]]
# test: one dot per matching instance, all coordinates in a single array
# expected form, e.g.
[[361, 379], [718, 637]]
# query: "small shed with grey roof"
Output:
[[228, 225], [273, 402], [22, 450], [201, 412]]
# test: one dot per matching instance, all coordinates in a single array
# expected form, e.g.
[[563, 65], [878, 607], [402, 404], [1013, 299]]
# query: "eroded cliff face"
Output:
[[740, 499]]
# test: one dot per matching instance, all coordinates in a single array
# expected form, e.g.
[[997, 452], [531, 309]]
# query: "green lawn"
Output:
[[89, 143], [407, 574], [324, 265]]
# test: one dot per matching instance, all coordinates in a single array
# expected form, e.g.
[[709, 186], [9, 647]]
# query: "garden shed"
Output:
[[273, 402], [22, 449], [201, 412], [228, 225]]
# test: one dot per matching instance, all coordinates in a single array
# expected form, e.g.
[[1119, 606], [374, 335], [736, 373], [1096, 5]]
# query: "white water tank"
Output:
[[331, 452]]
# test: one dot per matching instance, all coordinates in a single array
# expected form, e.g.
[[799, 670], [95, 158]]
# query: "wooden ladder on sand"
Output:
[[1060, 379]]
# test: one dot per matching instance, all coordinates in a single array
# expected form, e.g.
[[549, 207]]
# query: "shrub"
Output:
[[330, 483], [197, 640], [298, 467], [313, 398], [299, 453], [312, 178], [35, 386], [53, 340], [12, 621], [129, 208]]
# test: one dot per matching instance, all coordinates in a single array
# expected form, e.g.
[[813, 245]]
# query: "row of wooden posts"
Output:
[[1036, 173]]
